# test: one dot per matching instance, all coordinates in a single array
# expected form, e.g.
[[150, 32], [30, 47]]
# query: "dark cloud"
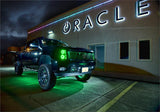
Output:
[[16, 17], [19, 16], [25, 20]]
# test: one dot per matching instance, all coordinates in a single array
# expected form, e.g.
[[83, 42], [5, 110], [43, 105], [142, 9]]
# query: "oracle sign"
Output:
[[140, 12]]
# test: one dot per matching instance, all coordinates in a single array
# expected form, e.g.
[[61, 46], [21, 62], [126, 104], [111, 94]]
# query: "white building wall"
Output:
[[132, 30]]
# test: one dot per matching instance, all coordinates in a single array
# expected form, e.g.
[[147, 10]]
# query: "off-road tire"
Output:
[[83, 78], [46, 77]]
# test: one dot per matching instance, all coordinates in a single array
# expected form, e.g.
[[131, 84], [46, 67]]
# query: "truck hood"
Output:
[[76, 49]]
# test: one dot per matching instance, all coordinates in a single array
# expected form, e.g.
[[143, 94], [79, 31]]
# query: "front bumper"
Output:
[[75, 69], [71, 74]]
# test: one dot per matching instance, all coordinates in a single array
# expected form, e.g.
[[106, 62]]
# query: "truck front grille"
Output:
[[80, 55]]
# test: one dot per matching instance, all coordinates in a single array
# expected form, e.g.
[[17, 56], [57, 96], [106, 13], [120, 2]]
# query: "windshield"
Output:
[[50, 42]]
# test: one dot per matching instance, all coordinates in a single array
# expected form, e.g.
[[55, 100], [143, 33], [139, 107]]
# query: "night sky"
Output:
[[19, 16]]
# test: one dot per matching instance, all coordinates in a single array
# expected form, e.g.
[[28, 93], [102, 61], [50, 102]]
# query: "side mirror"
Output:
[[33, 45]]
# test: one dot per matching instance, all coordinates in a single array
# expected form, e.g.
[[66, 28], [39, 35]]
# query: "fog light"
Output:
[[62, 68], [73, 68], [92, 67]]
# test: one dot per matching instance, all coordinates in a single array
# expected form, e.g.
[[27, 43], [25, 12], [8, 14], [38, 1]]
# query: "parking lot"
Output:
[[22, 93]]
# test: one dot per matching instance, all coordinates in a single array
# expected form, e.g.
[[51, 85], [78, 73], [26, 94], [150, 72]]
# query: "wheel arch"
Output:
[[46, 59]]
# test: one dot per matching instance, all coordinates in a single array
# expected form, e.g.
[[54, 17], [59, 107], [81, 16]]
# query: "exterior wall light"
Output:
[[51, 35]]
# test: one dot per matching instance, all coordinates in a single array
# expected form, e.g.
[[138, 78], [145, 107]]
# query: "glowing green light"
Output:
[[83, 64], [63, 51], [63, 55]]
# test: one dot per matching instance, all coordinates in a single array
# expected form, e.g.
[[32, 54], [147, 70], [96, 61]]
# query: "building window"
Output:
[[124, 50], [144, 49]]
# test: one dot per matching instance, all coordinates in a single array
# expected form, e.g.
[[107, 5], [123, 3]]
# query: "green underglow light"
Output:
[[63, 55], [83, 64]]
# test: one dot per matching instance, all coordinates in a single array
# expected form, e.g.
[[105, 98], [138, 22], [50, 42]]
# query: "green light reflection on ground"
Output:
[[27, 78], [18, 88], [28, 83], [68, 83]]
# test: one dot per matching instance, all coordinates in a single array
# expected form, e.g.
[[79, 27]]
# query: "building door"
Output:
[[99, 54]]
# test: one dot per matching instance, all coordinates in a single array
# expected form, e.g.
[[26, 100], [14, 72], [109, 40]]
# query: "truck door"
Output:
[[25, 53], [33, 51]]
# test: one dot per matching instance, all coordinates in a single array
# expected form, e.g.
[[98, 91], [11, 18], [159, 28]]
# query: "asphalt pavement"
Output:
[[98, 94]]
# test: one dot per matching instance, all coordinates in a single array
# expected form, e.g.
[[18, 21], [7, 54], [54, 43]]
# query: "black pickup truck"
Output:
[[54, 58]]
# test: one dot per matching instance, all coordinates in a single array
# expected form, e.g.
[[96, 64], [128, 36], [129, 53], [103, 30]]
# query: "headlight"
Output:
[[63, 54]]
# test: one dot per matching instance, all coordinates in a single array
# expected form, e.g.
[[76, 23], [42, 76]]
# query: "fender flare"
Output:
[[46, 59]]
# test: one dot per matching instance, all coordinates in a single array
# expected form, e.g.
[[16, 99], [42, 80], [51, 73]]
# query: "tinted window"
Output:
[[124, 51], [144, 49], [47, 42]]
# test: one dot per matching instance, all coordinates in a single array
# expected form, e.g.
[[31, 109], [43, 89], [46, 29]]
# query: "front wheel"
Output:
[[46, 77], [83, 78]]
